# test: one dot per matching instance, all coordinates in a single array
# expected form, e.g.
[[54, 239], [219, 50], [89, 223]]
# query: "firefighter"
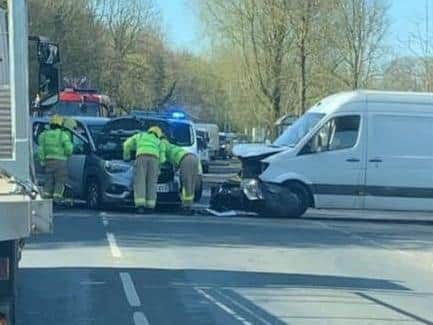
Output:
[[55, 148], [147, 147], [188, 165], [70, 124]]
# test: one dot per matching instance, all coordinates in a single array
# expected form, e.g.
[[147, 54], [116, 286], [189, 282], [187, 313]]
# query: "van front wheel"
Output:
[[300, 196], [289, 200]]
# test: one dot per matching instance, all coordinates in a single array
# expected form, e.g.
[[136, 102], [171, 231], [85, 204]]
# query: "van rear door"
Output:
[[399, 159]]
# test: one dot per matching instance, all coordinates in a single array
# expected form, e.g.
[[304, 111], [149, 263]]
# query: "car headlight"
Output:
[[115, 168], [251, 189]]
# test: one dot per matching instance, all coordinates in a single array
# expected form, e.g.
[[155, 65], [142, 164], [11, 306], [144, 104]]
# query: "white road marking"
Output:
[[264, 321], [227, 309], [129, 288], [105, 221], [115, 251], [140, 319]]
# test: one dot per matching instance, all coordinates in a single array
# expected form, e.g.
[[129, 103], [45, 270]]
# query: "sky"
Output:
[[183, 27]]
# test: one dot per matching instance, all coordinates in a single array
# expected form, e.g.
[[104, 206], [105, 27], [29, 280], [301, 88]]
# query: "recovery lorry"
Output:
[[22, 210]]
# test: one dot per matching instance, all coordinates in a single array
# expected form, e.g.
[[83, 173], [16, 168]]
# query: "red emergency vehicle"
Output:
[[82, 102]]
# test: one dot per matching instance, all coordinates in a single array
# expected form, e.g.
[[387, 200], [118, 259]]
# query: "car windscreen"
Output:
[[294, 133], [74, 109]]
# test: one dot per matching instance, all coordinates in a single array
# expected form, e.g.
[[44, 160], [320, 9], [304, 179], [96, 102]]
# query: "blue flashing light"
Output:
[[178, 115]]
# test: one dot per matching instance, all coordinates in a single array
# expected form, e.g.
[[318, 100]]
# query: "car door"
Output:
[[333, 161], [399, 160], [75, 185]]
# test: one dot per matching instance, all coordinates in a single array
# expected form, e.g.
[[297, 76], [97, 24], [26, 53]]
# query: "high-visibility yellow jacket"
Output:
[[175, 154], [144, 144], [55, 144]]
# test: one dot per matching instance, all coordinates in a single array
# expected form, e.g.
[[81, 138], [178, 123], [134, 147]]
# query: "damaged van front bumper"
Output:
[[238, 194], [251, 195]]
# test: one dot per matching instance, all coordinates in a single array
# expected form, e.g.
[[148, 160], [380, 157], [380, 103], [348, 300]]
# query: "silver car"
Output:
[[97, 173]]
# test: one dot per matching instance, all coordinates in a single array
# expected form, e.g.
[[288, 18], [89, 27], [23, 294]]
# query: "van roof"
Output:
[[333, 102]]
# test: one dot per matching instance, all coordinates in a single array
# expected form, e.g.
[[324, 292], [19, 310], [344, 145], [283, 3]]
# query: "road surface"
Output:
[[114, 268]]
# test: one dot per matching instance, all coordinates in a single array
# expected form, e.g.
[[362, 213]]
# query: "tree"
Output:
[[302, 16], [72, 24], [260, 30], [357, 40], [126, 23]]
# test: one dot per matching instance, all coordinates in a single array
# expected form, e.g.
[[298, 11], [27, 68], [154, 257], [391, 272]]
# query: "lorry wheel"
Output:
[[93, 195]]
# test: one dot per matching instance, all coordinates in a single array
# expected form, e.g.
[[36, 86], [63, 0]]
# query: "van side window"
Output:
[[337, 134]]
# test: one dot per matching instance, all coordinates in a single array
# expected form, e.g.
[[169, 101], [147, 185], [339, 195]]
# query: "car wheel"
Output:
[[93, 195]]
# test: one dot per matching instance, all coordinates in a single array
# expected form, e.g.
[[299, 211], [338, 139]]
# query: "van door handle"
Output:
[[375, 160], [353, 160]]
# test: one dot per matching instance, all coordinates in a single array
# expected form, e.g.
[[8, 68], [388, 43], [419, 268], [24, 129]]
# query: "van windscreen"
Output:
[[294, 133]]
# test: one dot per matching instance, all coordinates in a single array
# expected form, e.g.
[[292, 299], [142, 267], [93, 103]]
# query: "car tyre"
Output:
[[94, 197]]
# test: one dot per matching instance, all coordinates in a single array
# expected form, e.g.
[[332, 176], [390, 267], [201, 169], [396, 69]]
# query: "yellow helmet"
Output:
[[156, 130], [56, 120], [70, 123]]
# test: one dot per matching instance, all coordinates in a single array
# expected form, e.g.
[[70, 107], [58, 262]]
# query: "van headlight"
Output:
[[251, 189], [116, 168]]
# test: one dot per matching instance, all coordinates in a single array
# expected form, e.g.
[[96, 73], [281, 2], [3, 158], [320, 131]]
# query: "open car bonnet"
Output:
[[109, 141], [123, 125], [252, 150]]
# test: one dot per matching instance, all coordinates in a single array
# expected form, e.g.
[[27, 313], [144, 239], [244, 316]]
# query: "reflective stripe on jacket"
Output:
[[55, 144], [144, 144]]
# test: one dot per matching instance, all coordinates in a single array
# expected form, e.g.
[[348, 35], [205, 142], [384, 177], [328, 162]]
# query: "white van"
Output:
[[353, 150], [214, 144]]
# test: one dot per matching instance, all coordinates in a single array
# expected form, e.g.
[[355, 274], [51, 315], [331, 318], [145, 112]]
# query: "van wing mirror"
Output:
[[48, 53]]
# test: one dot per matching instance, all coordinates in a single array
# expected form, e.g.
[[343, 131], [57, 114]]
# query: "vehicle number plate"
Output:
[[163, 188]]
